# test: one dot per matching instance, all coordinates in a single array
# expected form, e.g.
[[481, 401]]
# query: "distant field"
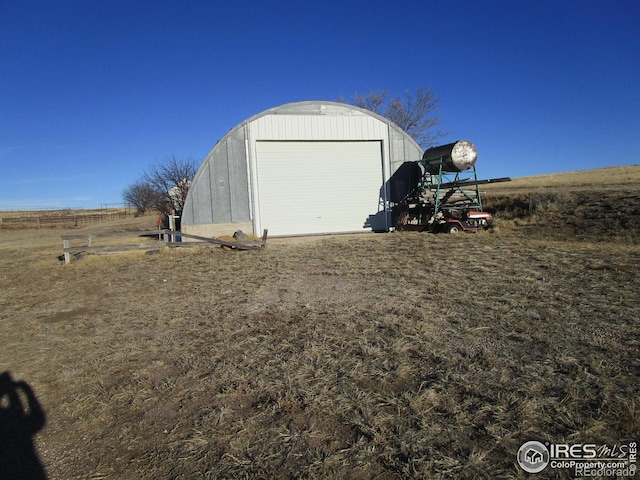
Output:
[[64, 218], [395, 356], [607, 178]]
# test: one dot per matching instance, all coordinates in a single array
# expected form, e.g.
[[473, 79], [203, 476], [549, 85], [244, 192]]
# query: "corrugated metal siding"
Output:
[[198, 207], [402, 149], [238, 179], [220, 187], [318, 127], [219, 192]]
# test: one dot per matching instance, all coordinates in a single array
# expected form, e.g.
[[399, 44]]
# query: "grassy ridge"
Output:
[[595, 205], [611, 177]]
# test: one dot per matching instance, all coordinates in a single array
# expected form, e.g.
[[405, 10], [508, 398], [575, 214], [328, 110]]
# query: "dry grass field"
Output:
[[400, 355], [65, 218]]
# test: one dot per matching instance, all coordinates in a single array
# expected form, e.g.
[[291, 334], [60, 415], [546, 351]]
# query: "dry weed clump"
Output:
[[588, 215], [404, 355]]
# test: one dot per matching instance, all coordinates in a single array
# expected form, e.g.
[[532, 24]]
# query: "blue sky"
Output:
[[92, 92]]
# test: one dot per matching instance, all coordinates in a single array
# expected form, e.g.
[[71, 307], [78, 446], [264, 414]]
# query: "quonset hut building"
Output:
[[301, 168]]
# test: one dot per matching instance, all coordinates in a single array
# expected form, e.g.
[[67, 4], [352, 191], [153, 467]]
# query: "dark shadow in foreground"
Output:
[[21, 417]]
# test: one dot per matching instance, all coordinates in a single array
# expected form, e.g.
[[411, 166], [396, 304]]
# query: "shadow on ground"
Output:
[[21, 417]]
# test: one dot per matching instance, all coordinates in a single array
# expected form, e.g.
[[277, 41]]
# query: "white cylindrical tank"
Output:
[[454, 157]]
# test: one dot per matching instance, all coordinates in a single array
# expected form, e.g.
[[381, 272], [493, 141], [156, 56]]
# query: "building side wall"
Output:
[[212, 230], [219, 192]]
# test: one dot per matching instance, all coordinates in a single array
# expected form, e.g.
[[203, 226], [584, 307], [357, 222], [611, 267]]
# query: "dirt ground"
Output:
[[400, 355]]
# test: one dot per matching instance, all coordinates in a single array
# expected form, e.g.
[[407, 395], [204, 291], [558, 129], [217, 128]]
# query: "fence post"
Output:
[[67, 255]]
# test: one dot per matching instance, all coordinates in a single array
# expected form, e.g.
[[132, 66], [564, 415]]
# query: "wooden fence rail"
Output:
[[166, 238]]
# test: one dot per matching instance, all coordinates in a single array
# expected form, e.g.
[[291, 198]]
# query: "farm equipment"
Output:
[[443, 192]]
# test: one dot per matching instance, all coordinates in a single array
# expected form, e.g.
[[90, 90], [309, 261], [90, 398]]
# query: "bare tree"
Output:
[[141, 196], [164, 186], [416, 114], [374, 101]]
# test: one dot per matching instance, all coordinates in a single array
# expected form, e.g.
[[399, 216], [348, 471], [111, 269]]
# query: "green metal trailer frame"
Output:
[[465, 182]]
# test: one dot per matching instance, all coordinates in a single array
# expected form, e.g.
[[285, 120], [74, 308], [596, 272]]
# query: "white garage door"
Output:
[[317, 187]]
